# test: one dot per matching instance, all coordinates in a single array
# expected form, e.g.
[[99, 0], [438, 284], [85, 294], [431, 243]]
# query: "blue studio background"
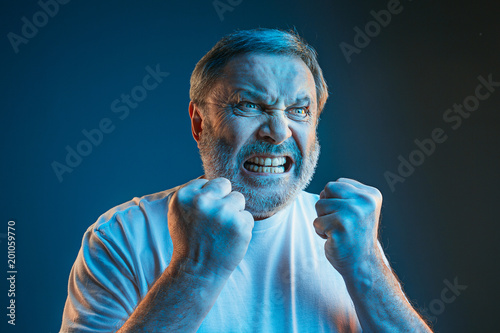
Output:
[[439, 225]]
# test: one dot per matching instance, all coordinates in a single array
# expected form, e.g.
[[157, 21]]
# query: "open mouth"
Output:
[[268, 164]]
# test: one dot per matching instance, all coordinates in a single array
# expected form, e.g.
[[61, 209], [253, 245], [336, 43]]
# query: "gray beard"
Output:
[[216, 157]]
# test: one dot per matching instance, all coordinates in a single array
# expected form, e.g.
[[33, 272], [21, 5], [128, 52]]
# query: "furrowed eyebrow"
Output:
[[250, 94], [303, 100], [261, 97]]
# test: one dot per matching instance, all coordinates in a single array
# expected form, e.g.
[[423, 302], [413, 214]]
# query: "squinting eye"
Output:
[[249, 105], [247, 109], [301, 112]]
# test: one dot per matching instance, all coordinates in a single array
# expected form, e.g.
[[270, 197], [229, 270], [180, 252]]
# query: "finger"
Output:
[[361, 186], [247, 216], [328, 206], [195, 184], [219, 187], [351, 181], [246, 220], [189, 189], [340, 190], [319, 231], [355, 183], [236, 199], [325, 225]]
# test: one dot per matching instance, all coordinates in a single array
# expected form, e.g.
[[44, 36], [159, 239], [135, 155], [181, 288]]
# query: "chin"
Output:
[[261, 214], [263, 201]]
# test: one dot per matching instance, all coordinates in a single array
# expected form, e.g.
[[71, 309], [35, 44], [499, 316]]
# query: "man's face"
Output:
[[258, 130]]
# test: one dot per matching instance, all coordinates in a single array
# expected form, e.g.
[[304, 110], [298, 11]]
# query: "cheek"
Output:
[[238, 131], [304, 136]]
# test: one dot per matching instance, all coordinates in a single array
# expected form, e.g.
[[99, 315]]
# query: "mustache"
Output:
[[288, 147]]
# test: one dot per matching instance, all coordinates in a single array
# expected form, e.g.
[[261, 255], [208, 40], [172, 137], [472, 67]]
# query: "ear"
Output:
[[196, 120]]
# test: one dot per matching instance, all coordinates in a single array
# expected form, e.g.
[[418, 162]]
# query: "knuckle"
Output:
[[224, 180], [194, 185], [373, 191], [330, 185], [317, 223], [181, 194], [182, 197], [377, 194], [368, 201], [357, 212], [330, 188], [238, 195], [247, 216], [198, 182], [201, 202], [221, 181], [363, 207], [226, 209], [320, 205], [317, 205], [235, 198], [242, 223]]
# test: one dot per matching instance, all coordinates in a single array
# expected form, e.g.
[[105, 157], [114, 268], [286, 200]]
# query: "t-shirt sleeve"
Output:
[[102, 292]]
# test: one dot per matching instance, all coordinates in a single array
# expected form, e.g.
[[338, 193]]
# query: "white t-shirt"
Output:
[[283, 284]]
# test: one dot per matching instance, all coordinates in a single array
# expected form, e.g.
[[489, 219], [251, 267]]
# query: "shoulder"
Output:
[[134, 214], [132, 239]]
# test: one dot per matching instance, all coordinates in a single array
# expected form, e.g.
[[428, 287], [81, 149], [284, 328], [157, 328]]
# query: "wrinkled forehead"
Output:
[[273, 78]]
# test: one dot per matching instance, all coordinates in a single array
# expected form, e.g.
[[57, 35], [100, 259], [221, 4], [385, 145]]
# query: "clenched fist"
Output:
[[348, 217], [209, 226]]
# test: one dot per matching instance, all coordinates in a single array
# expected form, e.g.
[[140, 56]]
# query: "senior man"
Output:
[[242, 248]]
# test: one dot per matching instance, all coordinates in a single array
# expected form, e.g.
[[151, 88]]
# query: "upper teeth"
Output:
[[276, 161]]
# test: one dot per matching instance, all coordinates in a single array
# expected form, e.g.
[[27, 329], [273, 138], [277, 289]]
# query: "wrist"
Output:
[[187, 266], [364, 274]]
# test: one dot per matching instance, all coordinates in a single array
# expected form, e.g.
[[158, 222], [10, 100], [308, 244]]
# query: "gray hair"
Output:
[[267, 41]]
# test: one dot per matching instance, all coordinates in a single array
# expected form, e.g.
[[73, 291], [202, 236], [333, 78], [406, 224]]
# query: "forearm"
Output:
[[178, 301], [379, 302]]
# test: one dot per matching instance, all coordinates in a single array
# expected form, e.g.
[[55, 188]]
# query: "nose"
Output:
[[275, 129]]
